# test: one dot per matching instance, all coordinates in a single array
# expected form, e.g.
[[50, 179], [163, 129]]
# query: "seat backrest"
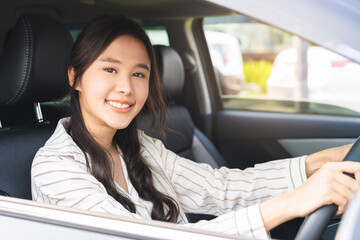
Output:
[[185, 139], [32, 70]]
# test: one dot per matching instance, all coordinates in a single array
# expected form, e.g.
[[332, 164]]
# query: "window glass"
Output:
[[158, 36], [74, 29], [260, 67], [155, 30]]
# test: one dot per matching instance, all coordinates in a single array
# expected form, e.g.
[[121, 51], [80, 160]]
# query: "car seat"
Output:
[[32, 70]]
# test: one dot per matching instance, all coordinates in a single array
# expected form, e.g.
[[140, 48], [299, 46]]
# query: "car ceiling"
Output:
[[79, 11], [83, 10], [333, 24]]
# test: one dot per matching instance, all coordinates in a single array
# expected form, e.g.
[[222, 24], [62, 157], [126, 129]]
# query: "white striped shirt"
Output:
[[59, 176]]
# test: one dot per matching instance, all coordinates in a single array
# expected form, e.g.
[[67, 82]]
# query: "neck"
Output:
[[106, 143], [103, 136]]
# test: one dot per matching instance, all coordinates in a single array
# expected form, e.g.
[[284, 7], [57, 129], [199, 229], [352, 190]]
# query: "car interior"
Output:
[[32, 42], [33, 79]]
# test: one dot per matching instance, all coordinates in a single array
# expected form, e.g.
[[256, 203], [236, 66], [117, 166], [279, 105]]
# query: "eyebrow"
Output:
[[109, 59], [113, 60]]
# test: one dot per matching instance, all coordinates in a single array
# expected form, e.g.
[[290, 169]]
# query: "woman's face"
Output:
[[115, 86]]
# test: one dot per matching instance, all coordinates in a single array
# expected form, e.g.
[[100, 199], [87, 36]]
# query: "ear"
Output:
[[71, 75]]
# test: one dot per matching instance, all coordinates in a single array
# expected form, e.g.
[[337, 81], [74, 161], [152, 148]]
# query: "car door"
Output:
[[249, 137], [288, 107]]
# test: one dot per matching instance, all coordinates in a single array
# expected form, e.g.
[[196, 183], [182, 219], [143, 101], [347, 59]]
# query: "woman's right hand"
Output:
[[328, 185]]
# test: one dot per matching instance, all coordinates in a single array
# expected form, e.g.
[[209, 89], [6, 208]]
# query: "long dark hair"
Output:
[[91, 42]]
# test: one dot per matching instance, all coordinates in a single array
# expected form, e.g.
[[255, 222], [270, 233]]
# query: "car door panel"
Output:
[[305, 146], [245, 138]]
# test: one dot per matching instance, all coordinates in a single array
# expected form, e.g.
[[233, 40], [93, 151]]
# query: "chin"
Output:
[[119, 126]]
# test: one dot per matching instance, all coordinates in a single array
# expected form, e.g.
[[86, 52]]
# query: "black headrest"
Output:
[[33, 65], [171, 70]]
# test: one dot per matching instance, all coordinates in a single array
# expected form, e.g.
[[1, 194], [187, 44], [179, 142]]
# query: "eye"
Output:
[[110, 70], [139, 75]]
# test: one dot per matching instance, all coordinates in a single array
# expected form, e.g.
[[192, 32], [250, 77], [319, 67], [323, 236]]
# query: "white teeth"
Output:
[[118, 105]]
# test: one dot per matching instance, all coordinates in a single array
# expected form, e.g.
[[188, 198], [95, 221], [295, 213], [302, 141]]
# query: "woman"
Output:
[[98, 160]]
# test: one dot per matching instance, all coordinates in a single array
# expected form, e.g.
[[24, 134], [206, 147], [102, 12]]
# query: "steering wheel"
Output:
[[315, 224]]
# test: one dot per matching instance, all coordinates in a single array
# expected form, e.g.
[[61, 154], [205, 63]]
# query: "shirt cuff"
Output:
[[249, 223], [297, 171]]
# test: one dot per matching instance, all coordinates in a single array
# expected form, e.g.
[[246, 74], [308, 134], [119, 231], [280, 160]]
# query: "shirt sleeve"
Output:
[[231, 194], [202, 189], [246, 222], [59, 181]]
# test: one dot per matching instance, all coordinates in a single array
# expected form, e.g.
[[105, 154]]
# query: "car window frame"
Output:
[[301, 106], [101, 223]]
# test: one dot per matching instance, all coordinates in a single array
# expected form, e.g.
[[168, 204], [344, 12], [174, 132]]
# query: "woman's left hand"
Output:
[[316, 160]]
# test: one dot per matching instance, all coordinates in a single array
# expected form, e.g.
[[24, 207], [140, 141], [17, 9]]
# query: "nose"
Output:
[[124, 84]]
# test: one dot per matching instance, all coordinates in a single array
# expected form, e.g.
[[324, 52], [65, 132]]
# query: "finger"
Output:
[[357, 176], [346, 166], [347, 181], [340, 196], [342, 190]]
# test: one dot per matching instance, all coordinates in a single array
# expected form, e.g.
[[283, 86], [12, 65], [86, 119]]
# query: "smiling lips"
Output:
[[120, 106]]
